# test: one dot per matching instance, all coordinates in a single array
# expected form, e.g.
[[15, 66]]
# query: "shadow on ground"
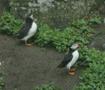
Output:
[[26, 67]]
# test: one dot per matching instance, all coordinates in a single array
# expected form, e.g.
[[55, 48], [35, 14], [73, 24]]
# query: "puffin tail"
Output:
[[60, 65]]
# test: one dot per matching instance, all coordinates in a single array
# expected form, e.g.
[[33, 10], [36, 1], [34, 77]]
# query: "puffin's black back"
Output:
[[25, 29], [66, 59]]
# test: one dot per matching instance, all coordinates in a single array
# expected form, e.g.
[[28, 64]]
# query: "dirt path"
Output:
[[26, 67]]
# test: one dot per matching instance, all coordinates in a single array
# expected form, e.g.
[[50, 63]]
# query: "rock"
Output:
[[67, 10]]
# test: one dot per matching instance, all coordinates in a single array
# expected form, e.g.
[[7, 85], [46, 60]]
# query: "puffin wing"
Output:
[[65, 61], [24, 31]]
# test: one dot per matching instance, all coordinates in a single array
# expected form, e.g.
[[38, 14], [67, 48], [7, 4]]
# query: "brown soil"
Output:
[[27, 67]]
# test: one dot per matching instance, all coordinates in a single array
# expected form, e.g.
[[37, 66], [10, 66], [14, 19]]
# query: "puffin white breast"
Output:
[[31, 31], [74, 59]]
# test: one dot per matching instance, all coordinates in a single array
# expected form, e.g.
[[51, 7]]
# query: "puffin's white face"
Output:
[[31, 16], [74, 46]]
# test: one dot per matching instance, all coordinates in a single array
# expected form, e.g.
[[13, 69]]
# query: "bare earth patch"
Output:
[[26, 67]]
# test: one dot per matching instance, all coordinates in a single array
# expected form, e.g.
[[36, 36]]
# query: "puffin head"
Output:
[[31, 16], [75, 46]]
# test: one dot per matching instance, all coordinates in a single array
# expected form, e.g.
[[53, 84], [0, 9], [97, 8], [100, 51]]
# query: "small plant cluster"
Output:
[[9, 24], [2, 84], [93, 78], [79, 31], [47, 87], [95, 20], [61, 40], [88, 21]]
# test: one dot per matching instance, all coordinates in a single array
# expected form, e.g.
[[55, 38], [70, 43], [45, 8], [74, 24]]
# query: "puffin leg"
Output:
[[27, 44], [72, 71]]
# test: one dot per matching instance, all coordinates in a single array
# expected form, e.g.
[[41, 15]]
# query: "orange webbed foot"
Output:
[[29, 45], [72, 71]]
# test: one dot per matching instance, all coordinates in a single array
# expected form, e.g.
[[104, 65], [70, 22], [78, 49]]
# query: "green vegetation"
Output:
[[95, 20], [2, 84], [47, 87], [61, 40], [93, 78], [79, 23], [79, 31], [9, 24]]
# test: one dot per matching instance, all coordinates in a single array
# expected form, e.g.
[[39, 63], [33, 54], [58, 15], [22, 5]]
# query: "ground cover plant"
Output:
[[61, 40], [9, 24], [49, 86], [93, 78], [2, 83]]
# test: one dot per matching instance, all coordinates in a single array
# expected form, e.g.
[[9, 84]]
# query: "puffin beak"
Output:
[[78, 45]]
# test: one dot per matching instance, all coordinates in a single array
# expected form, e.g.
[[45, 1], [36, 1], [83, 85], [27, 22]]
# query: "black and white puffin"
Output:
[[70, 59], [28, 30]]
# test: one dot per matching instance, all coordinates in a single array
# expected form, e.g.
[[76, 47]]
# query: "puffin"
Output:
[[28, 30], [70, 59]]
